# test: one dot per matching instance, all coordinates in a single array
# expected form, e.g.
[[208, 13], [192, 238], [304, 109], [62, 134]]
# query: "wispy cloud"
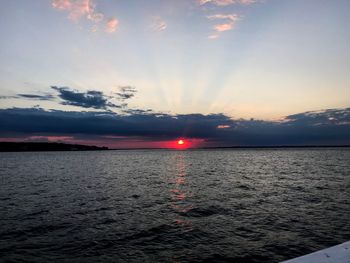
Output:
[[126, 92], [158, 24], [228, 23], [36, 97], [226, 2], [247, 2], [112, 25], [48, 138], [62, 4], [79, 9], [217, 2], [30, 96]]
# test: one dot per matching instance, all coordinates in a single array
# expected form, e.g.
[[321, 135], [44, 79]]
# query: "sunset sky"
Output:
[[188, 61]]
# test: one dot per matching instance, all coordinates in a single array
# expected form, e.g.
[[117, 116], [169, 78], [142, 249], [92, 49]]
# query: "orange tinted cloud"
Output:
[[226, 2], [78, 9], [61, 4], [112, 25], [223, 27], [229, 22], [85, 8], [223, 126]]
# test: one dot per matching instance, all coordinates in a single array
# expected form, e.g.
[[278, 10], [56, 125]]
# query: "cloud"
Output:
[[126, 92], [223, 126], [217, 2], [36, 97], [8, 97], [229, 21], [213, 36], [48, 138], [330, 127], [247, 2], [226, 2], [151, 125], [320, 118], [158, 24], [90, 99], [112, 25], [62, 4], [78, 9], [30, 96], [137, 111]]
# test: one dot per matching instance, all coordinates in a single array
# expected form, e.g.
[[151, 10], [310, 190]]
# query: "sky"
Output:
[[144, 73]]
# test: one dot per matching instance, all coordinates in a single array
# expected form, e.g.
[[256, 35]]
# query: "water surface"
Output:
[[172, 206]]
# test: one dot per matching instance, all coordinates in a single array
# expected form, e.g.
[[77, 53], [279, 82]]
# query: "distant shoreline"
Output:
[[53, 146], [46, 147], [236, 147]]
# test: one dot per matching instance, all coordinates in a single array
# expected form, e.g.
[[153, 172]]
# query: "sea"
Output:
[[216, 205]]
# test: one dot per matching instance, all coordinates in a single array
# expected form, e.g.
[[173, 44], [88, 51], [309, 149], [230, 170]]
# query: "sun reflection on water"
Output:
[[180, 190]]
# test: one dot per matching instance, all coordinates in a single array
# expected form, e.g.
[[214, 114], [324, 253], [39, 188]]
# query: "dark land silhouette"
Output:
[[45, 146]]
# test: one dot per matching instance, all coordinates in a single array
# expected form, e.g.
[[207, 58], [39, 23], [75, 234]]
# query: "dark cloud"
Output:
[[8, 97], [331, 127], [36, 97], [126, 92], [30, 96], [90, 99], [137, 111], [316, 118]]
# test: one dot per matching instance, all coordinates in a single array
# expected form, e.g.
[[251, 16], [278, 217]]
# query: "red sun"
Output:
[[180, 142]]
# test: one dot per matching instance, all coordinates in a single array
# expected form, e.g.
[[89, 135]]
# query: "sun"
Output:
[[180, 142]]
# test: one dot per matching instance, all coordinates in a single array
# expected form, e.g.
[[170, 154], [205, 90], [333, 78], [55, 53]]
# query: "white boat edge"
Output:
[[337, 254]]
